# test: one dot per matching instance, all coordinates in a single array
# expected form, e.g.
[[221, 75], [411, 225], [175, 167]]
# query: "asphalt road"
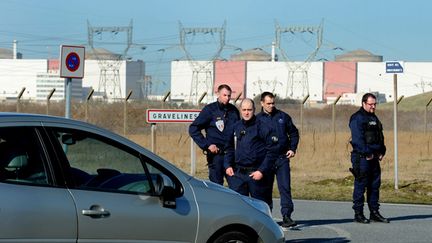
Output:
[[324, 221]]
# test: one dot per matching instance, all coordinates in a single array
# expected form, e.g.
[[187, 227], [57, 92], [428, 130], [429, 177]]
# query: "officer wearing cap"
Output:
[[250, 154], [216, 119], [287, 136], [367, 140]]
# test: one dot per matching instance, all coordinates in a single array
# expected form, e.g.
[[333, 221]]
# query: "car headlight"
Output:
[[258, 204]]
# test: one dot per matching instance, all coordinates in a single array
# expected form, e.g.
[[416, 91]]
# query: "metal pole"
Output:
[[166, 96], [19, 99], [153, 137], [125, 112], [202, 97], [425, 115], [395, 131], [301, 112], [86, 103], [238, 97], [193, 157], [48, 100], [334, 113], [164, 100], [68, 97]]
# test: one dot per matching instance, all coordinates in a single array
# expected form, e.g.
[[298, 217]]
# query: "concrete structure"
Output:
[[339, 78], [326, 80], [46, 82], [184, 73], [39, 76], [256, 54], [358, 56]]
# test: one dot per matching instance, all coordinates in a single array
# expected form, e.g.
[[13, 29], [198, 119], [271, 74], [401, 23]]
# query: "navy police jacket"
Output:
[[251, 145], [366, 133], [281, 126], [217, 120]]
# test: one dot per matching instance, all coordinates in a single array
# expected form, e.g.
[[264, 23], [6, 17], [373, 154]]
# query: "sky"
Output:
[[395, 29]]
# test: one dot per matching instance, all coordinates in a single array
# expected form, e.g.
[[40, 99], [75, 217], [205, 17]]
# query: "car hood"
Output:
[[206, 184]]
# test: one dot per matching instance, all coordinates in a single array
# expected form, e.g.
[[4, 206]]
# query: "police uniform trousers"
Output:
[[282, 171], [216, 168], [369, 181], [242, 183]]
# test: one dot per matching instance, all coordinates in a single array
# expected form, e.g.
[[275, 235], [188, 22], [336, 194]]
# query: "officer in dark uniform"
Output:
[[367, 140], [250, 155], [216, 119], [287, 135]]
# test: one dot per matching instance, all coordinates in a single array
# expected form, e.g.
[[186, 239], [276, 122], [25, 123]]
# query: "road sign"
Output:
[[72, 61], [394, 67], [171, 116]]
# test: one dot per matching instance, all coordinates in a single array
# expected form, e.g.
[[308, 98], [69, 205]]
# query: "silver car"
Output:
[[63, 180]]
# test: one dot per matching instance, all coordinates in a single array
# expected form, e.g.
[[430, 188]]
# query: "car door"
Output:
[[114, 190], [33, 208]]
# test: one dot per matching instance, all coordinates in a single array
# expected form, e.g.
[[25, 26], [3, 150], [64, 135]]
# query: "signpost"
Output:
[[395, 67], [172, 116], [71, 66]]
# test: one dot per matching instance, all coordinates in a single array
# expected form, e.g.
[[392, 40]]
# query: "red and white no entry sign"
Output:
[[72, 61]]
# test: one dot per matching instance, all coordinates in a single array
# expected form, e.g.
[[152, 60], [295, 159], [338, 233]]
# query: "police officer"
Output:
[[250, 155], [216, 119], [287, 135], [367, 141]]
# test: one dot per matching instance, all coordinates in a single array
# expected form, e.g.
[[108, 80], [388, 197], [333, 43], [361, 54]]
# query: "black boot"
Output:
[[377, 217], [288, 222], [360, 218]]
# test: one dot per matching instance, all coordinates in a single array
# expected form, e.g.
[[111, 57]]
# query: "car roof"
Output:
[[9, 116]]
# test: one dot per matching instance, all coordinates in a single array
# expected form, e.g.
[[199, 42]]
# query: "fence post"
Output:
[[201, 98], [334, 114], [425, 115], [301, 112], [18, 108], [237, 98], [48, 100], [89, 95], [164, 100], [125, 112]]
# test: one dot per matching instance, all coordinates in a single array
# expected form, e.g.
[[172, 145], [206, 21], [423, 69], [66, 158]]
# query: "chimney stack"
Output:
[[15, 49]]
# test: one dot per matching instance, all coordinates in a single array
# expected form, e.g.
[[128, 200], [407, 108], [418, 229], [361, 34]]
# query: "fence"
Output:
[[324, 140]]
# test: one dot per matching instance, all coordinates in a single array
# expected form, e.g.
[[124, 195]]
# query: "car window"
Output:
[[21, 158], [102, 164]]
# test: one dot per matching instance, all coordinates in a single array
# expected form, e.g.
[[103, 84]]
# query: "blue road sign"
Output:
[[394, 67], [72, 61]]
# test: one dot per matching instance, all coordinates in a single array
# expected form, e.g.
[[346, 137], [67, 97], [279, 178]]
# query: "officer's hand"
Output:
[[256, 175], [380, 157], [229, 171], [369, 157], [290, 154], [213, 149]]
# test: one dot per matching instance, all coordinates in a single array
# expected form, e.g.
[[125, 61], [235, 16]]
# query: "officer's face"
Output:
[[247, 110], [370, 105], [224, 96], [268, 104]]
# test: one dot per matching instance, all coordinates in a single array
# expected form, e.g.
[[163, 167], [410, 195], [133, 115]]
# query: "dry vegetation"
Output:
[[320, 169]]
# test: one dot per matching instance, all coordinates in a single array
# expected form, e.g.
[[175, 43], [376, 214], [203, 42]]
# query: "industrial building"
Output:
[[254, 71], [249, 73], [110, 77]]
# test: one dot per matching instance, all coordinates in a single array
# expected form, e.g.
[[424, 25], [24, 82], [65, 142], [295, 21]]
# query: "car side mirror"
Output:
[[168, 197], [68, 139], [166, 192]]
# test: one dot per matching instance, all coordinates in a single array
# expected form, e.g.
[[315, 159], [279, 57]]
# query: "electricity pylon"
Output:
[[202, 73], [109, 78], [298, 71]]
